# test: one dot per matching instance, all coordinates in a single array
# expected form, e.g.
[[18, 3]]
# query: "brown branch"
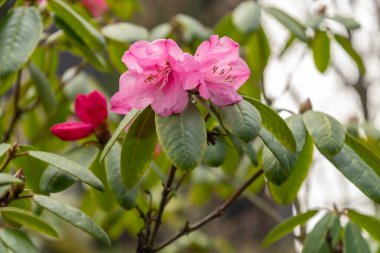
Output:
[[187, 228]]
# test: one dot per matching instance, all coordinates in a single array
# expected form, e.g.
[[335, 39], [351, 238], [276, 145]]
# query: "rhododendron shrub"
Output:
[[181, 129]]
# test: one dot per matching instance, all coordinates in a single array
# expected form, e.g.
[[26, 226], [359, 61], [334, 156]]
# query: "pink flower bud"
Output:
[[91, 108], [71, 131]]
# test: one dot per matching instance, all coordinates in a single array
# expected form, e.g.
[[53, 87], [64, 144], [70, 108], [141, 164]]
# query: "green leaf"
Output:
[[2, 247], [358, 172], [321, 50], [4, 189], [124, 197], [191, 28], [17, 241], [327, 133], [364, 152], [8, 179], [19, 35], [349, 23], [5, 6], [287, 192], [183, 137], [274, 124], [123, 124], [316, 238], [295, 27], [138, 148], [335, 231], [82, 28], [345, 43], [28, 219], [43, 88], [354, 241], [125, 32], [287, 226], [226, 27], [69, 166], [4, 147], [56, 180], [215, 154], [247, 16], [369, 223], [74, 216], [241, 119]]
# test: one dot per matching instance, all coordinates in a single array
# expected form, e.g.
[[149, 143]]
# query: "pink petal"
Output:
[[71, 131], [222, 95], [96, 7], [91, 108], [187, 71]]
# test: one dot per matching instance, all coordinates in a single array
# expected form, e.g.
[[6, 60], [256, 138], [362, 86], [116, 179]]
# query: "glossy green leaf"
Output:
[[241, 120], [295, 27], [83, 29], [125, 32], [56, 180], [287, 226], [74, 216], [365, 153], [183, 137], [215, 154], [69, 166], [316, 238], [335, 231], [274, 124], [321, 50], [354, 241], [4, 147], [287, 192], [247, 16], [43, 88], [345, 43], [8, 179], [19, 34], [358, 172], [120, 128], [348, 22], [327, 133], [124, 197], [28, 219], [138, 147], [17, 241], [369, 223]]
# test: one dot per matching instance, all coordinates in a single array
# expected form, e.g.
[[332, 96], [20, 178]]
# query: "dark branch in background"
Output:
[[188, 228]]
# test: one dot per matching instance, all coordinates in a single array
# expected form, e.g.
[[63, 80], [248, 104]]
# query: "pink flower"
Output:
[[96, 7], [159, 73], [91, 109], [223, 71]]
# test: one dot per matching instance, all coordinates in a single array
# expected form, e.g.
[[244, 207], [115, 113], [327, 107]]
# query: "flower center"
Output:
[[160, 77], [221, 73]]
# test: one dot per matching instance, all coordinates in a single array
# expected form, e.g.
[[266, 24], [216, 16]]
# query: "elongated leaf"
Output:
[[295, 27], [364, 152], [354, 241], [17, 241], [321, 50], [345, 43], [247, 16], [287, 226], [83, 29], [138, 148], [315, 240], [71, 167], [44, 90], [124, 197], [19, 35], [287, 192], [241, 119], [335, 230], [183, 137], [226, 27], [56, 180], [2, 247], [74, 216], [275, 124], [125, 32], [4, 147], [123, 124], [369, 223], [348, 22], [8, 179], [328, 134], [28, 219], [358, 172]]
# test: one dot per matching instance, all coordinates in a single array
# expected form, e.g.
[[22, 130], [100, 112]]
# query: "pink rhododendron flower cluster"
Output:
[[95, 7], [160, 74], [92, 111]]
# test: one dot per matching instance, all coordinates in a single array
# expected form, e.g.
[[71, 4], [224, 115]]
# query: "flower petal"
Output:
[[91, 108], [71, 131], [221, 94]]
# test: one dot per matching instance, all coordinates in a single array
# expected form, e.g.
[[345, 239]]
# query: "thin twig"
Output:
[[187, 228], [176, 188]]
